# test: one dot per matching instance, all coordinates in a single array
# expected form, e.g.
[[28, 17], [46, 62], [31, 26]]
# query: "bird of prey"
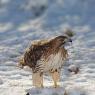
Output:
[[46, 56]]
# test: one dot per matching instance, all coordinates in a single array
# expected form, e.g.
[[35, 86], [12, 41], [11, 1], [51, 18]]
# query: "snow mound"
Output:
[[46, 91]]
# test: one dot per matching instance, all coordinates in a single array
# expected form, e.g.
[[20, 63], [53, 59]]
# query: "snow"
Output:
[[22, 21]]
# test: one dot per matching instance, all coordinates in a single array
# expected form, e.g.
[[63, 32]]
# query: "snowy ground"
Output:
[[22, 21]]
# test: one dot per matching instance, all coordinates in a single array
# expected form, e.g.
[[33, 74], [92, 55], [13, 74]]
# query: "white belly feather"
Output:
[[54, 61]]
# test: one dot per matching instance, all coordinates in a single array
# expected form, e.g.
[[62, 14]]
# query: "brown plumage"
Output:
[[46, 56]]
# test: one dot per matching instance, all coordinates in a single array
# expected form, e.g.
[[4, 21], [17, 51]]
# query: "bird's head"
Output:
[[64, 39]]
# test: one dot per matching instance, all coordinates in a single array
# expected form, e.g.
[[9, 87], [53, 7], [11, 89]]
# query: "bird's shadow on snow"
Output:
[[45, 91]]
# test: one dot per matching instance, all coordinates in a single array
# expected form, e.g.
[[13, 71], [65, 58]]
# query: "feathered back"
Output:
[[43, 49], [35, 51]]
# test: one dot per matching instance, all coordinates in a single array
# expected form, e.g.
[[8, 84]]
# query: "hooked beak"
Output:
[[70, 40]]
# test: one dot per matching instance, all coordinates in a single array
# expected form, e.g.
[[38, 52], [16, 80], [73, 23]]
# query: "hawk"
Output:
[[46, 56]]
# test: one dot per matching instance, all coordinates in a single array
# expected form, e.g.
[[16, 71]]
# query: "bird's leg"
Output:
[[56, 77], [37, 79]]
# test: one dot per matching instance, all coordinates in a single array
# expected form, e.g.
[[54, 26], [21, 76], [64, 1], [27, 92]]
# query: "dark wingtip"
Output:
[[70, 40]]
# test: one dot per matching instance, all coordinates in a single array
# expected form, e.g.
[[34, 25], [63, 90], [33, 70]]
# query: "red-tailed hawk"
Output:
[[46, 56]]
